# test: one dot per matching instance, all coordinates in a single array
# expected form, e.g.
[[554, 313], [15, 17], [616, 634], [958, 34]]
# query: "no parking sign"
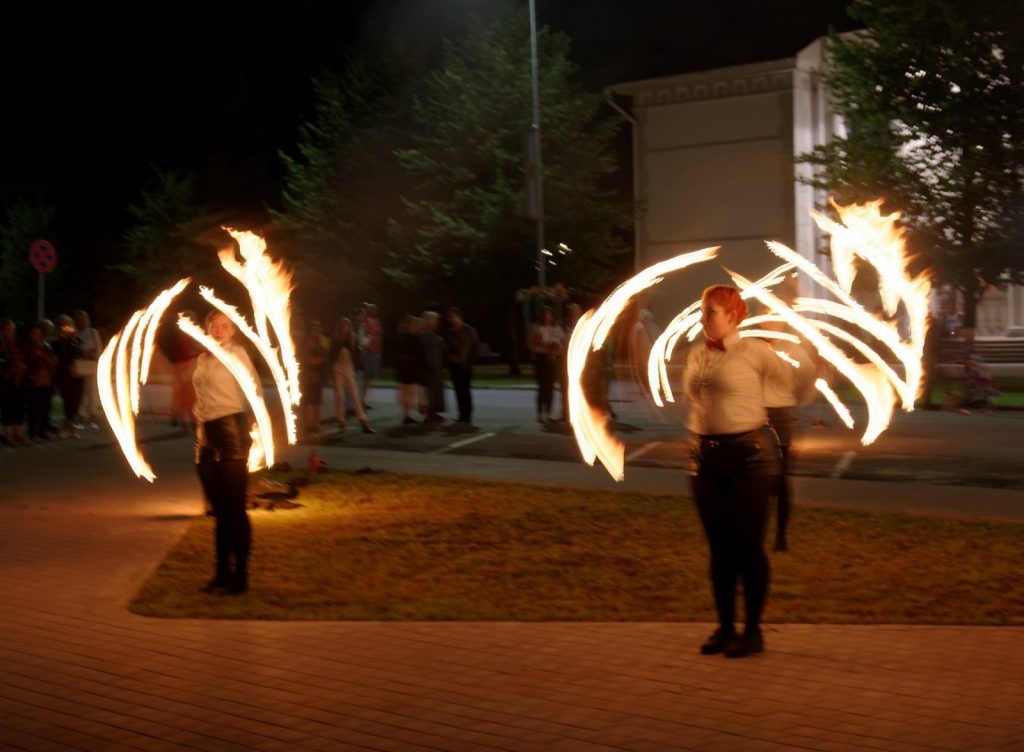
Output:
[[43, 256]]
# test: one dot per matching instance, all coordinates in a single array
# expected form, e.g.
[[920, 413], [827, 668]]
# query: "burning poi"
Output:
[[125, 362], [865, 234]]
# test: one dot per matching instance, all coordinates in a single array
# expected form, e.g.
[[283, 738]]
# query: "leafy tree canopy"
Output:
[[172, 236], [341, 185], [464, 233], [933, 96]]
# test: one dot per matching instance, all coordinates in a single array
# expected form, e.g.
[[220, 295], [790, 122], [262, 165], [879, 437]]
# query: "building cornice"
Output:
[[720, 83]]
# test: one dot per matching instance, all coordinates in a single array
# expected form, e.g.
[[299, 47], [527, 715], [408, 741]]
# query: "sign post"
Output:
[[43, 256]]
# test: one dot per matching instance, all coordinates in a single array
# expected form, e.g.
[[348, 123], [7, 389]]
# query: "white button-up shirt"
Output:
[[217, 392], [725, 389]]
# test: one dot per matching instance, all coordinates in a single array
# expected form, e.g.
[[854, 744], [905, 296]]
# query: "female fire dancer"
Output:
[[734, 459], [221, 453]]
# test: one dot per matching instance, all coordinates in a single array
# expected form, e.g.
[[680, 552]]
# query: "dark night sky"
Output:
[[95, 97]]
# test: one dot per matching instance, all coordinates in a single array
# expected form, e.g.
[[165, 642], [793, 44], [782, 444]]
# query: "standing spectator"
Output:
[[734, 458], [90, 343], [434, 351], [40, 371], [641, 337], [221, 455], [50, 339], [781, 397], [462, 342], [932, 352], [572, 315], [371, 342], [69, 384], [980, 388], [344, 358], [411, 368], [362, 341], [12, 375], [183, 352], [313, 352], [597, 377], [546, 341]]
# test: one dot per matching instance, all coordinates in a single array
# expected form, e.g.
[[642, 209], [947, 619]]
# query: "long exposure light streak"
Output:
[[125, 363], [270, 287], [590, 425], [865, 234], [268, 352], [262, 449]]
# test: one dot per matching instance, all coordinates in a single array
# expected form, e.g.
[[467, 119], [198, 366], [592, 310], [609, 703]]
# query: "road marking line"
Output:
[[464, 442], [843, 465], [642, 450]]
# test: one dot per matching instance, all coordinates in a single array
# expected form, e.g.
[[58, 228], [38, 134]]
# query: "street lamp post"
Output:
[[538, 174]]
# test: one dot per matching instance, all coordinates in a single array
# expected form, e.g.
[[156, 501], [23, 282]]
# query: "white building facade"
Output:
[[714, 160]]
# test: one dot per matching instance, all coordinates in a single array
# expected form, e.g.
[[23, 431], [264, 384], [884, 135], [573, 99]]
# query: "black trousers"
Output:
[[462, 376], [734, 513], [545, 370], [734, 476], [783, 421], [221, 453], [225, 483], [70, 388], [563, 386], [38, 400]]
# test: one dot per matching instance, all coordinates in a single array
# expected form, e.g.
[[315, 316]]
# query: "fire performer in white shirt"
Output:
[[222, 446], [734, 459]]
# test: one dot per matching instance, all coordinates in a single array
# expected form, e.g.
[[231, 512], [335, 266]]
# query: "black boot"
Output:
[[239, 583], [217, 584], [718, 642], [748, 643]]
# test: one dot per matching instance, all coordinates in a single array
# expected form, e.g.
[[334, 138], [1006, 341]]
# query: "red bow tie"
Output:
[[714, 344]]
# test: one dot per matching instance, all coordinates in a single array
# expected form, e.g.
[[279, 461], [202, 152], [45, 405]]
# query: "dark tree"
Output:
[[465, 233]]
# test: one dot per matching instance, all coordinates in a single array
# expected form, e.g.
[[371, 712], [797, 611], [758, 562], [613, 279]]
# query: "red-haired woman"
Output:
[[221, 452], [734, 458]]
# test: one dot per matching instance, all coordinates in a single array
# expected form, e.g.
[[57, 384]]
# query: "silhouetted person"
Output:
[[463, 344]]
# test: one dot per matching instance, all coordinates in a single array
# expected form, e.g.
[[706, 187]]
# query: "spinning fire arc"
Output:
[[125, 363], [864, 233]]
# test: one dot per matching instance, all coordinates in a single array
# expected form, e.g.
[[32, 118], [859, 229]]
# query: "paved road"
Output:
[[931, 462], [981, 450], [79, 534], [934, 447]]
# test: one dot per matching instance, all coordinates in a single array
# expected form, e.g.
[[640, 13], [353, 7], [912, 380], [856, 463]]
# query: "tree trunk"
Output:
[[512, 350], [972, 297]]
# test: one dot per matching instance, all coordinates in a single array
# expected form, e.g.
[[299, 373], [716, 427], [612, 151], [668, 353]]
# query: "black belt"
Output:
[[724, 439]]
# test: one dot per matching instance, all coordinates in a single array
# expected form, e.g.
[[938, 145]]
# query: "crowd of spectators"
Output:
[[42, 360]]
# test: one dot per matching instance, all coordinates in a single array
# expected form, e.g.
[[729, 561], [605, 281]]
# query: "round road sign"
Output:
[[43, 256]]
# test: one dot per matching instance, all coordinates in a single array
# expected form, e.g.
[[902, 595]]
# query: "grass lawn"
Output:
[[1011, 391], [390, 546]]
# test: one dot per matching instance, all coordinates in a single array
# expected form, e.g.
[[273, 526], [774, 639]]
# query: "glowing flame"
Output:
[[590, 425], [864, 233], [876, 239], [250, 388], [122, 365], [125, 362], [257, 457], [687, 323], [266, 350], [270, 288]]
